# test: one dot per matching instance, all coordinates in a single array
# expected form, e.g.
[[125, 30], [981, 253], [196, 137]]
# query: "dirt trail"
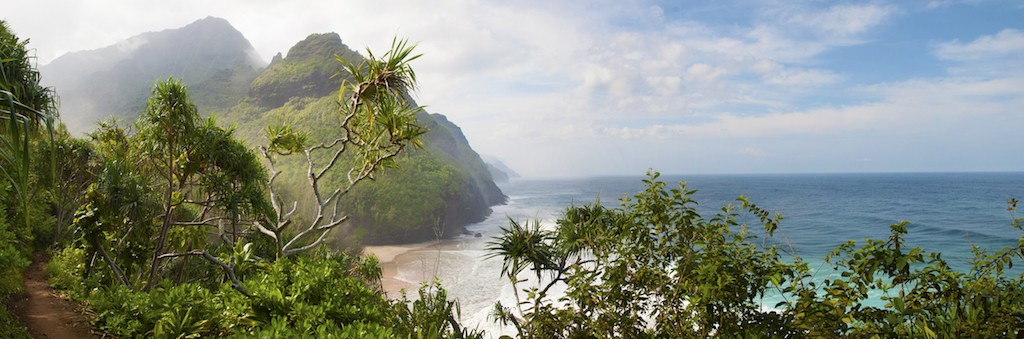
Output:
[[46, 315]]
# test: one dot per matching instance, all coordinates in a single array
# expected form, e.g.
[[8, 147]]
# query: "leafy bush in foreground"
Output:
[[309, 296], [655, 267]]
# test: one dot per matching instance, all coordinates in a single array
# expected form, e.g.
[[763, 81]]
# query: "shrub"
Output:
[[66, 271], [655, 267], [12, 256], [11, 327], [431, 316]]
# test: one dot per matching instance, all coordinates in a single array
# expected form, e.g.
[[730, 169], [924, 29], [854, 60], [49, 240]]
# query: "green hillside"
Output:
[[436, 191]]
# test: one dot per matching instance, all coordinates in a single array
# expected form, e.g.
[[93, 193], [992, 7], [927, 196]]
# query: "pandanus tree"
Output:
[[74, 170], [207, 178], [166, 130], [25, 106], [377, 124], [118, 207]]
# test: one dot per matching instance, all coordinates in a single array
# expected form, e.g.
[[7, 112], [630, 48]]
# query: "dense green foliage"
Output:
[[156, 227], [19, 77], [28, 113], [320, 295], [10, 327], [175, 233], [655, 267], [200, 166], [424, 179]]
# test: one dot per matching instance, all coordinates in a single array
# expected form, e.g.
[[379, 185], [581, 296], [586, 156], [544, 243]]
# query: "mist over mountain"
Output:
[[213, 58], [435, 191]]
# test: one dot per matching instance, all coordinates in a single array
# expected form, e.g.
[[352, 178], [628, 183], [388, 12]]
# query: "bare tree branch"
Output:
[[229, 270], [375, 118]]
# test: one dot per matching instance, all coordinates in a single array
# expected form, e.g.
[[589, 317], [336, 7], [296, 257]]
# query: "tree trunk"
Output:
[[168, 217]]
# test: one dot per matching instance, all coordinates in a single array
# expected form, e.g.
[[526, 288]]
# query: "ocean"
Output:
[[948, 213]]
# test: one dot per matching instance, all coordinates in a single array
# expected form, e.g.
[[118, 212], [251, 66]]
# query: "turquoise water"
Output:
[[948, 213]]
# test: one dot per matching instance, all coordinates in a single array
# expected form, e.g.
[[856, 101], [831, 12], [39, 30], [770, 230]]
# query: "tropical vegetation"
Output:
[[27, 115], [299, 88], [655, 267], [172, 227]]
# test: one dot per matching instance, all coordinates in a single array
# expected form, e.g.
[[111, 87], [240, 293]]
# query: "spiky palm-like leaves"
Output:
[[21, 79], [198, 165], [165, 131], [522, 246], [653, 267], [378, 122], [24, 105]]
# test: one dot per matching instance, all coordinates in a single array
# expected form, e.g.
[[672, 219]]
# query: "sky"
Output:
[[586, 88]]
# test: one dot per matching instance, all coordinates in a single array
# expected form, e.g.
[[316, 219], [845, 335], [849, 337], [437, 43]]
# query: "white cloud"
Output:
[[130, 45], [619, 86], [938, 4], [848, 20], [906, 110], [702, 72], [935, 4], [765, 66], [997, 55], [841, 24], [774, 73], [1008, 42]]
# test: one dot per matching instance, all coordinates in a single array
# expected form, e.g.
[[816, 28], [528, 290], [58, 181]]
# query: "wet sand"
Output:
[[392, 257], [408, 266], [461, 265]]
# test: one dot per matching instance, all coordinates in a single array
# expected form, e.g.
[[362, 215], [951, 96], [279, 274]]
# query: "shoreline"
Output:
[[390, 258], [396, 260]]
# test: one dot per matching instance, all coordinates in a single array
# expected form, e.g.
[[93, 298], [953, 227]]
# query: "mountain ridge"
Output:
[[438, 189], [459, 190], [115, 80]]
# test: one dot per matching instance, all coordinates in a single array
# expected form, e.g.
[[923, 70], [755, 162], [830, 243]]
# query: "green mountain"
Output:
[[435, 191], [213, 58]]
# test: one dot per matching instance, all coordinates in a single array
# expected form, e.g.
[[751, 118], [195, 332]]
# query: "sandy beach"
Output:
[[460, 266], [408, 266], [392, 256]]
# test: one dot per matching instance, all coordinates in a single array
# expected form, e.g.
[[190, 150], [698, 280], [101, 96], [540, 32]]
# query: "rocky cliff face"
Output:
[[449, 138], [308, 71], [435, 191]]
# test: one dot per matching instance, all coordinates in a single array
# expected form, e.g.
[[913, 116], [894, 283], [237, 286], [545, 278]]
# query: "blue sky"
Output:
[[575, 88]]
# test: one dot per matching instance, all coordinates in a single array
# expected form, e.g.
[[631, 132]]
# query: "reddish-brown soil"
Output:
[[45, 314]]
